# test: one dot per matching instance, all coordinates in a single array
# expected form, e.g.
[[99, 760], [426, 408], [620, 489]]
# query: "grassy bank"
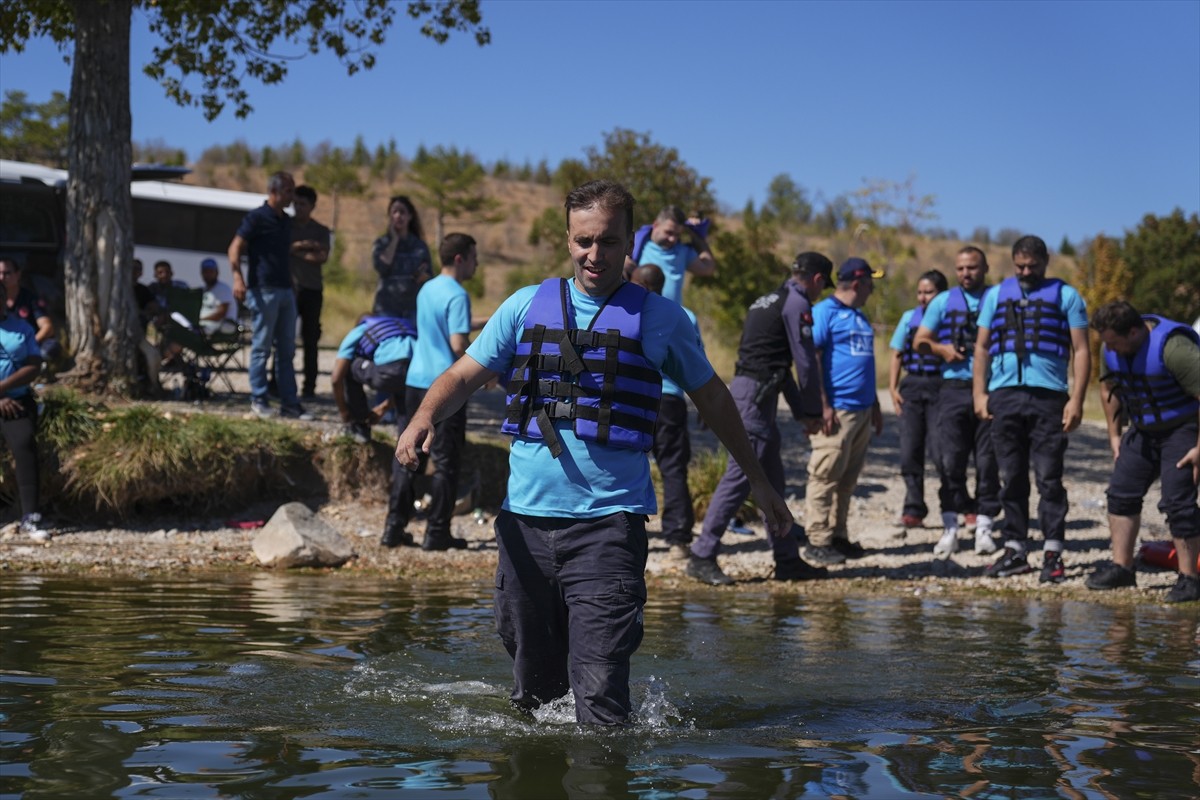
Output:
[[110, 462]]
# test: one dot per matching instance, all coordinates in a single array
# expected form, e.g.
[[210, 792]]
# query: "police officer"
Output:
[[776, 333], [582, 359], [1152, 369], [1029, 327], [948, 330]]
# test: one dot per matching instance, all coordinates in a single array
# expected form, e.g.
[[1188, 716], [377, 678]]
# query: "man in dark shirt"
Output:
[[310, 251], [776, 334], [265, 239]]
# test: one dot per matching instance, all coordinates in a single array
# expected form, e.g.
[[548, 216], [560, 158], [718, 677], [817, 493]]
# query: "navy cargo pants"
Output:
[[569, 598]]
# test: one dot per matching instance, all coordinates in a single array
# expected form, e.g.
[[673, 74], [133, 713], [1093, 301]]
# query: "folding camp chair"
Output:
[[211, 354]]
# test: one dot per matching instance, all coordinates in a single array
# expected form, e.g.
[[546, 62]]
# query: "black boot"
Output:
[[394, 534], [442, 541]]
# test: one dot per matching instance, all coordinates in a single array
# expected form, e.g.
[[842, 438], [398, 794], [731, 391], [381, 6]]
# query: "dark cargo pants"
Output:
[[569, 598], [449, 438], [1027, 430]]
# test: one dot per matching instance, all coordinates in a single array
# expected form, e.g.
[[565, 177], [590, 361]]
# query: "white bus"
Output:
[[172, 221]]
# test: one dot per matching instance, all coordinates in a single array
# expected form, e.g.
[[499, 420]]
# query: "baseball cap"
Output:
[[853, 268], [208, 263]]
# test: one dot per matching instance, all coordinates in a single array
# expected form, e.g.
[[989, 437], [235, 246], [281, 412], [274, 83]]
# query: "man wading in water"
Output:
[[583, 360]]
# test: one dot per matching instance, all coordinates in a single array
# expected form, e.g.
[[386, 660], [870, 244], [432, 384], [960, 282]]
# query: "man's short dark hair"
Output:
[[976, 251], [671, 214], [1032, 246], [649, 277], [277, 181], [162, 262], [307, 192], [454, 244], [605, 194], [809, 264], [12, 263], [1118, 316]]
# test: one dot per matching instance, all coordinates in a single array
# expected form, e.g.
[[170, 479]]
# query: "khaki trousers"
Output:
[[832, 475]]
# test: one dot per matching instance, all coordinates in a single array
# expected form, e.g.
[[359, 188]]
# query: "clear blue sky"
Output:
[[1056, 118]]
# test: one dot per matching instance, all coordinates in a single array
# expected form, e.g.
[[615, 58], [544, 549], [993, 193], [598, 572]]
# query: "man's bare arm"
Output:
[[445, 396], [718, 410], [1082, 373]]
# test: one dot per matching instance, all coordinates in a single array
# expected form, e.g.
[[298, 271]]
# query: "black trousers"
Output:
[[960, 433], [672, 452], [19, 433], [569, 598], [1027, 431], [917, 425], [385, 378], [449, 437], [1145, 456], [308, 308]]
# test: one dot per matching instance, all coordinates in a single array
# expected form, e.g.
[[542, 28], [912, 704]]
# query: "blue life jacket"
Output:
[[596, 377], [379, 330], [918, 363], [958, 326], [1033, 323], [1148, 391]]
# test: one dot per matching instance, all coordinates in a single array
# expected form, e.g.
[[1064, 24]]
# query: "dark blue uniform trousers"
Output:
[[960, 432], [569, 598], [672, 452], [1146, 455], [917, 425], [734, 486], [1027, 429]]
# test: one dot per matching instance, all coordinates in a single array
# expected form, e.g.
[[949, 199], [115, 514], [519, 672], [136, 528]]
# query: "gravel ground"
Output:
[[899, 561]]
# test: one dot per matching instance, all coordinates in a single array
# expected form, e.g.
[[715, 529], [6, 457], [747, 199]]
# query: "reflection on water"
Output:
[[284, 686]]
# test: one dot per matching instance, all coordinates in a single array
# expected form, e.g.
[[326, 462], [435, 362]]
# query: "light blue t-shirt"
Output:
[[934, 312], [443, 308], [1036, 370], [18, 345], [847, 344], [669, 386], [397, 348], [674, 264], [588, 480]]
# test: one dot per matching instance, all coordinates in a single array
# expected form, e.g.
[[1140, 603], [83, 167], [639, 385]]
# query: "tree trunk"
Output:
[[101, 320]]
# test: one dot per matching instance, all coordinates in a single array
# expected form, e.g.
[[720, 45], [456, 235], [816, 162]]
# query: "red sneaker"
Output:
[[970, 520], [910, 521]]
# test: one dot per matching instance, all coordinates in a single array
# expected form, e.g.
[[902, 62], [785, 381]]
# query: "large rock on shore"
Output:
[[296, 537]]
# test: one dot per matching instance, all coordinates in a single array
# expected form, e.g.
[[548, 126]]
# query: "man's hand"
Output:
[[416, 439], [829, 421], [877, 418], [776, 514], [1191, 457], [9, 408], [239, 287], [1072, 415], [981, 406], [897, 402]]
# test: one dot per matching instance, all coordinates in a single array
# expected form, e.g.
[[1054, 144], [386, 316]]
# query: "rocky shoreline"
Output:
[[899, 561]]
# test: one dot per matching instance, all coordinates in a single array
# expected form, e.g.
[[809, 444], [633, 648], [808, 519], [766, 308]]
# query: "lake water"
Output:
[[285, 686]]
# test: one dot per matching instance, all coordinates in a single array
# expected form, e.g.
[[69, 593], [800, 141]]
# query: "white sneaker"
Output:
[[947, 545], [31, 526], [984, 543]]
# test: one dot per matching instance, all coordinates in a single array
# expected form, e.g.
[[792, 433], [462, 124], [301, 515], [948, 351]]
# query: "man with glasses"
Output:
[[1030, 328]]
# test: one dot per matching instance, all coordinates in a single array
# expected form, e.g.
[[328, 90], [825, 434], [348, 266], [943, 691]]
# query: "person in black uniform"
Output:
[[776, 333]]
